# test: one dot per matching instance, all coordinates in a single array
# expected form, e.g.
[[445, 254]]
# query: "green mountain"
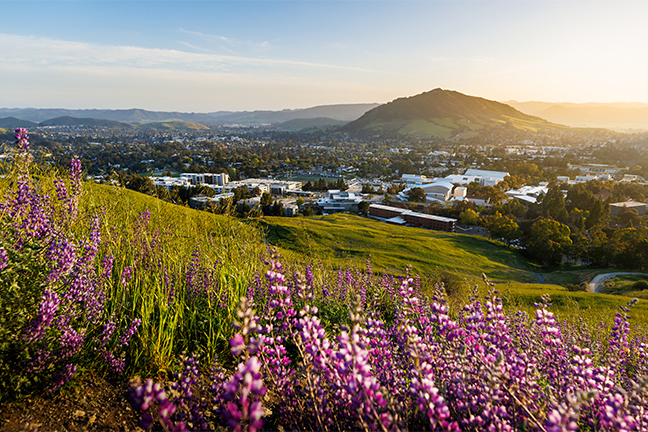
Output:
[[74, 121], [172, 125], [444, 114], [314, 123], [13, 122]]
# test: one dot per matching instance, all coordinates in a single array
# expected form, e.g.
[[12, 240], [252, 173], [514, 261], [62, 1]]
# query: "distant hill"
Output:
[[345, 112], [172, 125], [336, 112], [444, 114], [13, 122], [74, 121], [314, 123], [618, 115]]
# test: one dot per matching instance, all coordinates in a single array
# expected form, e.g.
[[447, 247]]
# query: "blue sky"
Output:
[[243, 55]]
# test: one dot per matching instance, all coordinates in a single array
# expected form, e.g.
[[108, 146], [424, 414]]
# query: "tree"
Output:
[[469, 217], [277, 208], [599, 216], [549, 239], [503, 228], [367, 189], [553, 204], [363, 207], [416, 194], [628, 216]]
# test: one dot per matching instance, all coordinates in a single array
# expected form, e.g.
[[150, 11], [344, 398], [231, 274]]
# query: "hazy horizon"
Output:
[[202, 56]]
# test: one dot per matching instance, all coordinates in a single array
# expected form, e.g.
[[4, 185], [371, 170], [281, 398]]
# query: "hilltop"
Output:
[[444, 114]]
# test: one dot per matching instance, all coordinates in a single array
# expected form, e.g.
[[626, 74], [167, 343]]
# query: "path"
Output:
[[595, 284]]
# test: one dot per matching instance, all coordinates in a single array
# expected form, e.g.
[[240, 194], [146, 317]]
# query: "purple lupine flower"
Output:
[[244, 393], [116, 365], [62, 378], [107, 264], [71, 342], [61, 190], [130, 331], [107, 332], [62, 258], [127, 275], [22, 139], [49, 304], [142, 397], [4, 259]]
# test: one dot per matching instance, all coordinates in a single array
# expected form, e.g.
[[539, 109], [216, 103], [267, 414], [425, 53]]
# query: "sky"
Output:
[[206, 56]]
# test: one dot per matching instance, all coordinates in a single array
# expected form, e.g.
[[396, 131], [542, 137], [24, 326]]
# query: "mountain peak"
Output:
[[444, 114]]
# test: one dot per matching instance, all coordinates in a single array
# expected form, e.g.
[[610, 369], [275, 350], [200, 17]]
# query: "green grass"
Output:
[[623, 285], [349, 240], [196, 325], [592, 308]]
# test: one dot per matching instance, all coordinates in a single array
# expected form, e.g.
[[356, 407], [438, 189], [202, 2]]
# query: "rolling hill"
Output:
[[444, 114], [343, 112], [172, 125], [13, 122], [314, 123], [74, 121], [619, 115]]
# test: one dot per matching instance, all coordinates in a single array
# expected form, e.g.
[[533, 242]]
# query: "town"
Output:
[[497, 184]]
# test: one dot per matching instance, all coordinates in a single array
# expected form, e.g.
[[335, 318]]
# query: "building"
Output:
[[169, 182], [206, 178], [401, 216], [639, 207], [201, 201], [336, 201], [527, 194], [486, 178], [413, 180]]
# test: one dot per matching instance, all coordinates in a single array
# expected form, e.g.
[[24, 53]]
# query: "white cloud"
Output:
[[29, 50]]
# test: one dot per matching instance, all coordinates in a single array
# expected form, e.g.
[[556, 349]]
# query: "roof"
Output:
[[629, 204], [384, 207], [486, 174]]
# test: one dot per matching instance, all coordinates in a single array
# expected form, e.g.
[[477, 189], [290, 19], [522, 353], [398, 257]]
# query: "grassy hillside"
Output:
[[345, 239], [172, 125], [314, 123], [444, 114]]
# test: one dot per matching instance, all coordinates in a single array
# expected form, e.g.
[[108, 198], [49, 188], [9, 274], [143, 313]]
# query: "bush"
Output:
[[640, 285]]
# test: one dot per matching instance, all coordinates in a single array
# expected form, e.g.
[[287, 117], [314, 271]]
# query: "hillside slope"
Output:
[[444, 114]]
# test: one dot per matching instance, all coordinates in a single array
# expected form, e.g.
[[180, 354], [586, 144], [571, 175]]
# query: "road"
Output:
[[595, 284]]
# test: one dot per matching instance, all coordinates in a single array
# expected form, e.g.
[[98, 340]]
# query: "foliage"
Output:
[[416, 194], [503, 228], [469, 217], [549, 240], [403, 361]]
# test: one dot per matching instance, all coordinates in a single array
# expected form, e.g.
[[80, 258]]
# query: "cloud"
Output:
[[206, 36], [44, 52]]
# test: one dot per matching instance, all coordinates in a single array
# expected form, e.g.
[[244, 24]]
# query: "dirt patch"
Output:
[[91, 405]]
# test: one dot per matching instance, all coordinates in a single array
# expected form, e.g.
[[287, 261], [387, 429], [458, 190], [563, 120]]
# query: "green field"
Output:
[[345, 239], [624, 285]]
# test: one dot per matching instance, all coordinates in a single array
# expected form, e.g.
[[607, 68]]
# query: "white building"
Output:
[[169, 182], [528, 194], [336, 201]]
